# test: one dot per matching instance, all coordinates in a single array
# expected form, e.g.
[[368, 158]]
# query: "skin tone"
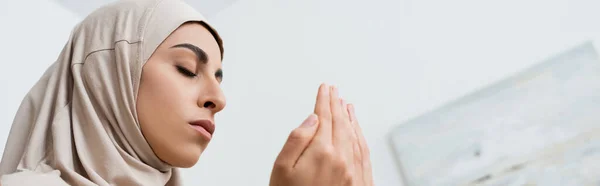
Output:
[[180, 85], [327, 149], [180, 94]]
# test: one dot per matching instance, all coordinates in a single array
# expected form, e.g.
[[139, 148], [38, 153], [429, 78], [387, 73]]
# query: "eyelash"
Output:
[[185, 72]]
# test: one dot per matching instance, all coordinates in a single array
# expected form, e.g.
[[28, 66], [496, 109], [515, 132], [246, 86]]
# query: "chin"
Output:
[[187, 159]]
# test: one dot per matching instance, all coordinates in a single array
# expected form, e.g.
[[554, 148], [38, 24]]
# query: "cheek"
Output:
[[164, 97], [166, 89]]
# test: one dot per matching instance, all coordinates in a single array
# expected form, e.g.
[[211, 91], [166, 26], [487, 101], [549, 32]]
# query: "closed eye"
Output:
[[219, 75], [185, 72]]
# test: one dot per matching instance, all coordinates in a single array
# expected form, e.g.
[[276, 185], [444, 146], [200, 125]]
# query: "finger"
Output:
[[355, 142], [323, 110], [342, 132], [352, 134], [339, 123], [358, 131], [364, 149], [351, 116], [345, 111], [297, 142]]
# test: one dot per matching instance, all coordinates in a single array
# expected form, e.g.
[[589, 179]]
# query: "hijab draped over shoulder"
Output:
[[78, 124]]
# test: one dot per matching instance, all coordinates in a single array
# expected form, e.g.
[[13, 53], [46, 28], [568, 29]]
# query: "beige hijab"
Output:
[[78, 125]]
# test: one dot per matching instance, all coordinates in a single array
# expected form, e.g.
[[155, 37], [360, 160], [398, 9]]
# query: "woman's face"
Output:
[[180, 94]]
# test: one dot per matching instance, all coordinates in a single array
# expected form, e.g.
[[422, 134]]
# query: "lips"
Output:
[[207, 125]]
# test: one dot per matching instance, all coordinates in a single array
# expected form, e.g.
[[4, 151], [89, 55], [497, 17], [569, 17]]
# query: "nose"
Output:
[[212, 97]]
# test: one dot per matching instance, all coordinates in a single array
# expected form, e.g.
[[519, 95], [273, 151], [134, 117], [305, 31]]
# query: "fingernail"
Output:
[[343, 102], [334, 90], [326, 91], [310, 121]]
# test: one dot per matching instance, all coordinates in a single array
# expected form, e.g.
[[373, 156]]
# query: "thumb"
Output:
[[296, 143]]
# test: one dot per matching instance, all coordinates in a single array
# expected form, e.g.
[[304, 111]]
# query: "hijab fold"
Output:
[[78, 125]]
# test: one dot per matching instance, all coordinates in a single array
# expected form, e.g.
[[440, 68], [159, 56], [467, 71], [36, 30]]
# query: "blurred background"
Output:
[[394, 59]]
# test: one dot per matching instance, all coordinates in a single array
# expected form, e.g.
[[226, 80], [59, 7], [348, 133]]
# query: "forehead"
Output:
[[195, 34]]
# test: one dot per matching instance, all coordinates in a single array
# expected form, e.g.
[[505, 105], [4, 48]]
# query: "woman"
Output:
[[133, 96]]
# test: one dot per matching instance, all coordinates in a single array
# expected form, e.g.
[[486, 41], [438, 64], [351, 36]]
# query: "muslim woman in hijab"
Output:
[[132, 98]]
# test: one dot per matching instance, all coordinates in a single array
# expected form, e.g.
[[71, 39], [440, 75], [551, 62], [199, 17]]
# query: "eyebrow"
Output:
[[200, 54]]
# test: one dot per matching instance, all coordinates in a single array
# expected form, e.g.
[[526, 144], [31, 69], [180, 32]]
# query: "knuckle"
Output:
[[325, 154], [348, 178], [297, 135], [339, 164], [345, 174], [281, 168], [279, 165]]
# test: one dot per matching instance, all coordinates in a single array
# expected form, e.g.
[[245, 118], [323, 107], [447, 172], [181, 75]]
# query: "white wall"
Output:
[[393, 59], [32, 34]]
